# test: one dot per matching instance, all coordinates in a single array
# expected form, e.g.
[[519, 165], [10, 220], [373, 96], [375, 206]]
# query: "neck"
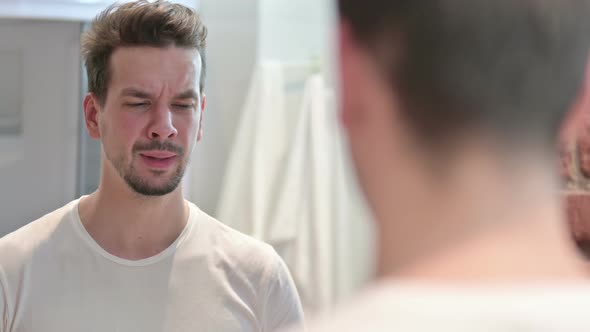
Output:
[[493, 222], [129, 225]]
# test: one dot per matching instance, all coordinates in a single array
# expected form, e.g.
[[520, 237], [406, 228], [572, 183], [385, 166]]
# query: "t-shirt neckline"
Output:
[[94, 246]]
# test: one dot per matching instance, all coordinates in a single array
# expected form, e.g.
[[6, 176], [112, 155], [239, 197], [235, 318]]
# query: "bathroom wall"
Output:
[[231, 54], [39, 110]]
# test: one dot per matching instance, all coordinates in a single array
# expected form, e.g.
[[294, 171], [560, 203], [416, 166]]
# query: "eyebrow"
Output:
[[133, 92], [188, 94]]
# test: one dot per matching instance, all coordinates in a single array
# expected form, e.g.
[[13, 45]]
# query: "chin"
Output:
[[153, 191], [151, 187]]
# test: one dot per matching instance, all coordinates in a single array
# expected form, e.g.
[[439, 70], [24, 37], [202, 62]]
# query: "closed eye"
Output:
[[137, 104], [183, 106]]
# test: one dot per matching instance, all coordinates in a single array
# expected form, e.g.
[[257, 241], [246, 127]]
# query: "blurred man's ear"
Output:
[[203, 104], [349, 74], [364, 92], [578, 118], [91, 115]]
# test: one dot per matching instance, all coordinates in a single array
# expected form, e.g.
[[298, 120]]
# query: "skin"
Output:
[[481, 221], [148, 126]]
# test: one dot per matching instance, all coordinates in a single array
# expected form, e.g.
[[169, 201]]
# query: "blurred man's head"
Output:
[[421, 80], [452, 109]]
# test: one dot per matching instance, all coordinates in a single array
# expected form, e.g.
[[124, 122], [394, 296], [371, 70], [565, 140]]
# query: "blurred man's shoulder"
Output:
[[412, 307]]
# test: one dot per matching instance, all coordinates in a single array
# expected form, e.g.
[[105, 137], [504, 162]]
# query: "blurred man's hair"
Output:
[[507, 68], [139, 23]]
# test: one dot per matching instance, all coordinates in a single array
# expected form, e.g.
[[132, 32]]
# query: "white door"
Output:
[[39, 116]]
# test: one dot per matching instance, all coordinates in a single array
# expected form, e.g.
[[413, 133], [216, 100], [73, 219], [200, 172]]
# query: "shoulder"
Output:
[[232, 246], [250, 267], [363, 312], [420, 307], [18, 248], [242, 259]]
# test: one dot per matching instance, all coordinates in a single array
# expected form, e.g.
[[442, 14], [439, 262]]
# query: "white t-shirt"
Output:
[[394, 306], [55, 278]]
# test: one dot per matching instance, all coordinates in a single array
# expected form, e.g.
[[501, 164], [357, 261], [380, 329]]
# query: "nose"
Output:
[[162, 126]]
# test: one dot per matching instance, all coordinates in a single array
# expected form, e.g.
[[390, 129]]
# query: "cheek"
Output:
[[187, 127], [123, 130]]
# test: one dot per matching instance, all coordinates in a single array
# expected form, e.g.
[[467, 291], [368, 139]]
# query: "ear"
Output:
[[577, 120], [91, 115], [350, 65], [203, 103]]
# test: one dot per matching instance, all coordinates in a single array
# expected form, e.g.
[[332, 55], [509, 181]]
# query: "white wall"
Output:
[[294, 30], [38, 163], [231, 55]]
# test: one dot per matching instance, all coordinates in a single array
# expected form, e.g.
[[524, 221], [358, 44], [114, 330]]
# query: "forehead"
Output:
[[152, 68]]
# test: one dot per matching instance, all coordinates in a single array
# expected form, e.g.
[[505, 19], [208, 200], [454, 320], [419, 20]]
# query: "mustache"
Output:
[[158, 145]]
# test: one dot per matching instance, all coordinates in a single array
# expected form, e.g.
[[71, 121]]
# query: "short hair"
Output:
[[139, 23], [509, 68]]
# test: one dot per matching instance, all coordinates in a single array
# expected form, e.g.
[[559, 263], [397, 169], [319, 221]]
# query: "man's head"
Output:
[[146, 69], [422, 79]]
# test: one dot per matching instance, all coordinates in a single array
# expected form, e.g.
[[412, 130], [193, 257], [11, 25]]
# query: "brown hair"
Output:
[[509, 68], [139, 23]]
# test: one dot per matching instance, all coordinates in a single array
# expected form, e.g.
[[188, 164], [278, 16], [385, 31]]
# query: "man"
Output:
[[452, 110], [135, 255]]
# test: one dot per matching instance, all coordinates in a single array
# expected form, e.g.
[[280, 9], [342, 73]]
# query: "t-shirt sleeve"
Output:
[[282, 308]]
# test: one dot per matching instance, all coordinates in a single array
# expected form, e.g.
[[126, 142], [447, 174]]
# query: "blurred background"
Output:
[[272, 163]]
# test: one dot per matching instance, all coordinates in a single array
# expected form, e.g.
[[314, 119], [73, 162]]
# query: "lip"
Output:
[[159, 159], [158, 154]]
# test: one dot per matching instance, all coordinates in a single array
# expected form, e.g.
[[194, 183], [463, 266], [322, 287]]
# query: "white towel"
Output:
[[288, 184]]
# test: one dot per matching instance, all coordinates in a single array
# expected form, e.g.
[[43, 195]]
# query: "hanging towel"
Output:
[[288, 183], [256, 155]]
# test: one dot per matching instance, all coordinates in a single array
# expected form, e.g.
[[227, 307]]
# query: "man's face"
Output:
[[151, 118]]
